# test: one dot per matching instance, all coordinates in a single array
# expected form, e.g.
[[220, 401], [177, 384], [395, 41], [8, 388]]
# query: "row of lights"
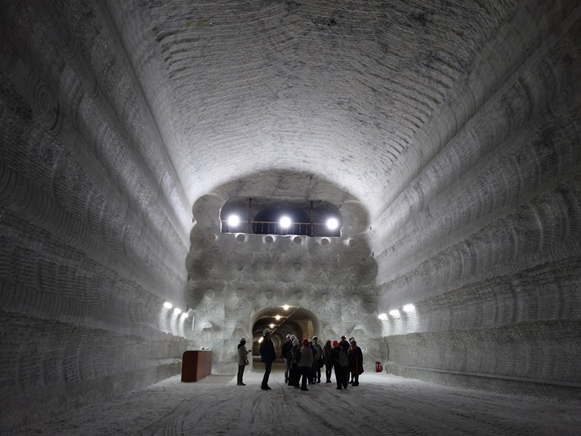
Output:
[[285, 222], [408, 308], [177, 310], [277, 317]]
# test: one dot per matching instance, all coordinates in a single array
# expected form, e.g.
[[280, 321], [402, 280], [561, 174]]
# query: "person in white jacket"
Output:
[[305, 363], [242, 360]]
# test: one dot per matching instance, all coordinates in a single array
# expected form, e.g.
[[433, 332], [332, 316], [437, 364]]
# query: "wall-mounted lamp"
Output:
[[167, 305], [409, 308], [382, 316], [394, 313]]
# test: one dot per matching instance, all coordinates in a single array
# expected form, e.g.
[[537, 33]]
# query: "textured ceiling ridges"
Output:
[[281, 78]]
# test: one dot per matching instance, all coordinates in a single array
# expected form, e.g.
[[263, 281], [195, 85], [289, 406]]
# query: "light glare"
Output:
[[272, 326], [233, 220], [332, 223], [177, 311], [382, 316], [285, 307], [167, 305], [277, 317], [260, 340], [285, 222], [394, 313], [409, 308]]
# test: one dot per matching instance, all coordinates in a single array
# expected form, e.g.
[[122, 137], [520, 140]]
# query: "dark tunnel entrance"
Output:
[[282, 321]]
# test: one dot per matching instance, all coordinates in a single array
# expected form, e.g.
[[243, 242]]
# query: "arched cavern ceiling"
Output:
[[447, 133]]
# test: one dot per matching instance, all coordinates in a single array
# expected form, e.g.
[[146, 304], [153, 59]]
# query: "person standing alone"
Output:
[[242, 360], [267, 355]]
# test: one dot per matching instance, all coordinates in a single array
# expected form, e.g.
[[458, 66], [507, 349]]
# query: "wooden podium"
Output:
[[196, 365]]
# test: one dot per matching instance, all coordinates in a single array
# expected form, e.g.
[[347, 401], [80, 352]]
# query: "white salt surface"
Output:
[[381, 405]]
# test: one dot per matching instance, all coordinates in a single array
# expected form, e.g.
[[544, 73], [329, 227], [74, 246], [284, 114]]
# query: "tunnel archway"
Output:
[[296, 320]]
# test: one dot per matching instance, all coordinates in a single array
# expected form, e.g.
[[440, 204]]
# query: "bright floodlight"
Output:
[[332, 223], [260, 340], [285, 307], [409, 308], [277, 317], [285, 222], [382, 316], [394, 313], [272, 326], [167, 305], [177, 311], [233, 220]]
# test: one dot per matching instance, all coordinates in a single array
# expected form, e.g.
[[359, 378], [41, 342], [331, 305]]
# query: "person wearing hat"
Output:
[[286, 353], [355, 358], [340, 363], [267, 355], [318, 361], [328, 363], [305, 363], [242, 360]]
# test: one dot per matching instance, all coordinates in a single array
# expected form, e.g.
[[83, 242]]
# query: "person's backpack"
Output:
[[343, 361]]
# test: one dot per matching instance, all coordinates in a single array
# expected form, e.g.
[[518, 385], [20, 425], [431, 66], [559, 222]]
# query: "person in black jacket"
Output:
[[340, 363], [355, 358], [267, 355], [286, 353]]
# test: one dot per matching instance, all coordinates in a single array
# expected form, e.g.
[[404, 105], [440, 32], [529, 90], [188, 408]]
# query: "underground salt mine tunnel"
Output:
[[443, 137]]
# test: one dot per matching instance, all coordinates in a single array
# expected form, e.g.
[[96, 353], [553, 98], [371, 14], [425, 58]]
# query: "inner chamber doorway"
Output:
[[285, 320]]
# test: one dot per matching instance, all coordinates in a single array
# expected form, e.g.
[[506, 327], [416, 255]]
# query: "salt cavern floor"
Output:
[[381, 405]]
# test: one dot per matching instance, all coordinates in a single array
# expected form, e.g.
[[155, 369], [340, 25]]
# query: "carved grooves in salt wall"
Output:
[[486, 240], [90, 246]]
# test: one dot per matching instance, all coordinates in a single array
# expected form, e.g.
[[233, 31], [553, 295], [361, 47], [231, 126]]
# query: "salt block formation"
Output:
[[444, 138]]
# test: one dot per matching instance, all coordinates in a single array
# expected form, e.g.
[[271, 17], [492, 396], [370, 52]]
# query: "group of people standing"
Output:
[[305, 359]]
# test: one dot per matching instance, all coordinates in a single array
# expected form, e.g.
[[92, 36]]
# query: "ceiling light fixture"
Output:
[[233, 220], [332, 223], [285, 222]]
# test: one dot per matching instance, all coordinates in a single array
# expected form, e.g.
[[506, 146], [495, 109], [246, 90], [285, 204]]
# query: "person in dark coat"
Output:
[[340, 363], [355, 358], [327, 349], [267, 355], [344, 344], [305, 364], [286, 353], [295, 372]]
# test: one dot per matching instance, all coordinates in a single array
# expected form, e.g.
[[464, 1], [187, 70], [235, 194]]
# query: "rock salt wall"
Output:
[[484, 236]]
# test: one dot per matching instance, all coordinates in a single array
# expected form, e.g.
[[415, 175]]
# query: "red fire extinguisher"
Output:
[[378, 367]]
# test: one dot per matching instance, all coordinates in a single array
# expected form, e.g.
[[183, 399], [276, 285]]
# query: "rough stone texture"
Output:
[[447, 134]]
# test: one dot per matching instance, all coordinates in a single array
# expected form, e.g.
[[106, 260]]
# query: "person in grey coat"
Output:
[[305, 363], [242, 360]]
